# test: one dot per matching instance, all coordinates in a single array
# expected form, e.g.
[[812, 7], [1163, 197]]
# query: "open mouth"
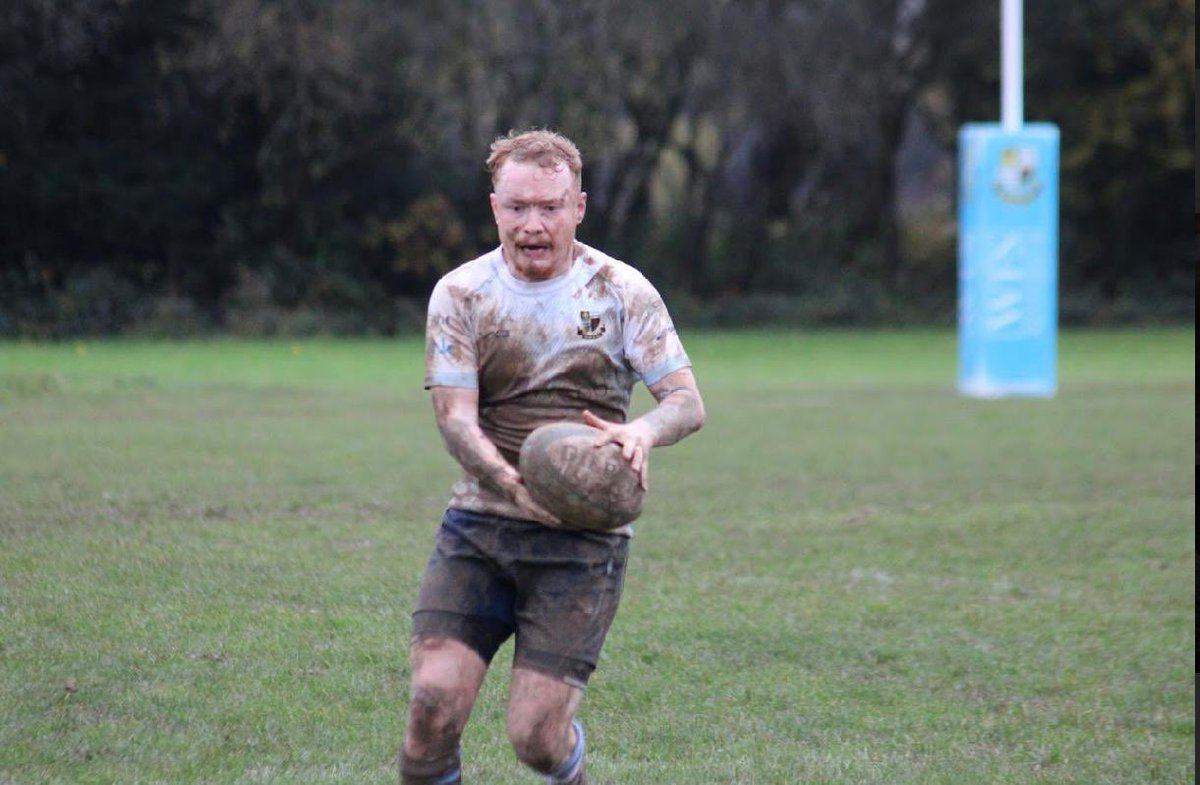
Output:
[[534, 249]]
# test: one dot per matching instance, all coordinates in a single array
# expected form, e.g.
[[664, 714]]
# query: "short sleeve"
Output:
[[450, 358], [652, 346]]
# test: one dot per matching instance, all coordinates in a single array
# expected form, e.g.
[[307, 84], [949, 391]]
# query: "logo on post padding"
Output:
[[1017, 180]]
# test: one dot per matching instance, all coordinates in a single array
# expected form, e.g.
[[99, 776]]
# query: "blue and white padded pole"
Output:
[[1008, 242]]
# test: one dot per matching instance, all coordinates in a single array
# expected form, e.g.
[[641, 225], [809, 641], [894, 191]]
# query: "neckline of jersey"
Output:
[[579, 270]]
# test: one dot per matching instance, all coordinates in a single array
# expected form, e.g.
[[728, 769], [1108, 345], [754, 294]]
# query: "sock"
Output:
[[446, 770], [571, 772]]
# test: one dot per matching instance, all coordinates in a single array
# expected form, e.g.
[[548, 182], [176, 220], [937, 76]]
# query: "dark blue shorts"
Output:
[[556, 590]]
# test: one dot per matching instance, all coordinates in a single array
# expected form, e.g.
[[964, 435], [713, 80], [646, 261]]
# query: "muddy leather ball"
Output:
[[587, 487]]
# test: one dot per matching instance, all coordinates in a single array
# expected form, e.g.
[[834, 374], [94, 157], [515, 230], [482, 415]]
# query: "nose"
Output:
[[532, 222]]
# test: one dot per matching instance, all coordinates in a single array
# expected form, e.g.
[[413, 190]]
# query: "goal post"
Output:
[[1008, 242]]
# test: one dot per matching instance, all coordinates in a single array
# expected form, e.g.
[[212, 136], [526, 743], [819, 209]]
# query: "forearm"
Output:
[[475, 452], [680, 412]]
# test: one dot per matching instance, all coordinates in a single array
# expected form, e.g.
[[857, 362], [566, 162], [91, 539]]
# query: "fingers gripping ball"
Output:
[[587, 487]]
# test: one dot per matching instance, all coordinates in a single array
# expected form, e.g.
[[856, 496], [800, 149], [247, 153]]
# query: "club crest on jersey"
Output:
[[590, 327]]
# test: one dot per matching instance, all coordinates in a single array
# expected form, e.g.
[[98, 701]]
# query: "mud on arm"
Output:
[[456, 410], [680, 410]]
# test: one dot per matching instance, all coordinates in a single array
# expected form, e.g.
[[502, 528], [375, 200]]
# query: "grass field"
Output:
[[208, 553]]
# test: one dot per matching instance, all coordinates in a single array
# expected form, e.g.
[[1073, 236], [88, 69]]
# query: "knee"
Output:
[[446, 678], [540, 742], [436, 718]]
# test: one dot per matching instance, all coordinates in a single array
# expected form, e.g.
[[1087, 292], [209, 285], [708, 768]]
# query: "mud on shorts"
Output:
[[556, 590]]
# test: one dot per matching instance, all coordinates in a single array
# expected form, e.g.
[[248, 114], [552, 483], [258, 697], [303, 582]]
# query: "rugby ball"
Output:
[[587, 487]]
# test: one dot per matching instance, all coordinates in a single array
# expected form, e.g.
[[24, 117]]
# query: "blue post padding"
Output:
[[1007, 260]]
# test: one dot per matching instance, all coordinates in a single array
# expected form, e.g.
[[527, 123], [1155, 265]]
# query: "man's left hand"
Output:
[[636, 439]]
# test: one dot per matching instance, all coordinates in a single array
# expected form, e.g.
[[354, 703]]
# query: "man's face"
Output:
[[536, 210]]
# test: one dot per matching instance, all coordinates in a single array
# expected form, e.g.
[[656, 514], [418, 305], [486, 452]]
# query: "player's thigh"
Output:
[[567, 602], [446, 663], [464, 593]]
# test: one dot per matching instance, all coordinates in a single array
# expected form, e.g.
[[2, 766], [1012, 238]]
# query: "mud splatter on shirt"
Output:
[[541, 352]]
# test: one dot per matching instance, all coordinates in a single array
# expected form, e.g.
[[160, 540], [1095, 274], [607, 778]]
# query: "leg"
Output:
[[459, 622], [566, 600], [446, 677], [540, 713]]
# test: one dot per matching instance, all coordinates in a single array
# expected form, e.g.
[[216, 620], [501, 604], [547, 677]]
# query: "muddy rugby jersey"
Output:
[[541, 352]]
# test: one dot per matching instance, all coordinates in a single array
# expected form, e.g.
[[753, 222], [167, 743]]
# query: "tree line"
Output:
[[300, 166]]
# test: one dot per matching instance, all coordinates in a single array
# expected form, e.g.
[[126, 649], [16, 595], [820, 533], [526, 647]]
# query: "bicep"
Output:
[[455, 405]]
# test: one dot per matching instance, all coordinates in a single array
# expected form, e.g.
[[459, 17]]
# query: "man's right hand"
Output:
[[456, 410], [514, 487]]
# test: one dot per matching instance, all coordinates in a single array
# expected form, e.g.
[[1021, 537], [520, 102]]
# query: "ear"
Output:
[[581, 207], [495, 203]]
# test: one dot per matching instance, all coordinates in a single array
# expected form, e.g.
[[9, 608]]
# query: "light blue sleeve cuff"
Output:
[[655, 374], [452, 379]]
